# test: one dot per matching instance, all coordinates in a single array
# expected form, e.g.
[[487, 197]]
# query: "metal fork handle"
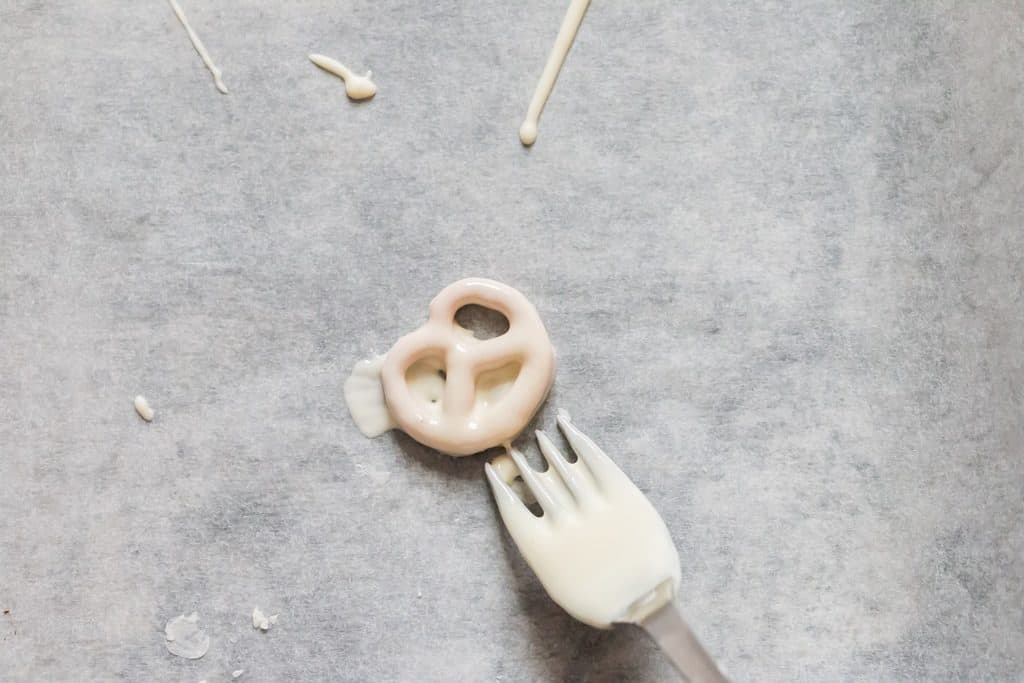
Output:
[[668, 629]]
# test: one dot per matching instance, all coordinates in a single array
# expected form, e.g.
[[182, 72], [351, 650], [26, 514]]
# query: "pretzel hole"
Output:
[[483, 322], [426, 380], [492, 385]]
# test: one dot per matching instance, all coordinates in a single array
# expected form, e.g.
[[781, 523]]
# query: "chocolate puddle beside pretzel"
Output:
[[450, 390]]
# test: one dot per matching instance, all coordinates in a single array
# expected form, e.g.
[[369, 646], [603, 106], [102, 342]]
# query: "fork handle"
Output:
[[668, 629]]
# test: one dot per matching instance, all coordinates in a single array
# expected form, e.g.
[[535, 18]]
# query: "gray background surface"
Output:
[[778, 246]]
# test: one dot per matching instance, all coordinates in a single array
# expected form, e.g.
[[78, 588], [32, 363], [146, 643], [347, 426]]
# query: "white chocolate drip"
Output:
[[356, 87], [198, 45], [566, 34]]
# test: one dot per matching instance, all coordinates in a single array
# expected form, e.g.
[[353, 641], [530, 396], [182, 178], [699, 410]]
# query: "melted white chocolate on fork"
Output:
[[600, 549]]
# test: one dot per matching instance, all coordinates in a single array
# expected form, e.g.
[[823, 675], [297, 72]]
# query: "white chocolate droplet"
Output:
[[143, 409], [528, 133], [356, 87]]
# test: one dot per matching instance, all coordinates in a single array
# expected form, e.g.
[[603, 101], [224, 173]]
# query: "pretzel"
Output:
[[458, 424]]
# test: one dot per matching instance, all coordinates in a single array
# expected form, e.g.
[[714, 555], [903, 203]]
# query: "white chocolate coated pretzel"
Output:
[[460, 424]]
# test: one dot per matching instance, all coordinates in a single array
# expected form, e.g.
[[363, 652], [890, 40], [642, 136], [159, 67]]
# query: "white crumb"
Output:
[[262, 621], [237, 672], [143, 409]]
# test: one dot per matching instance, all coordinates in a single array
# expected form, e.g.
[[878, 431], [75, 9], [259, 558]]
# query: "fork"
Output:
[[600, 549]]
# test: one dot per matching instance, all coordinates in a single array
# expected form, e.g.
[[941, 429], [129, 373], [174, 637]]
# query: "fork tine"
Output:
[[600, 465], [509, 473], [513, 510], [570, 476], [538, 487]]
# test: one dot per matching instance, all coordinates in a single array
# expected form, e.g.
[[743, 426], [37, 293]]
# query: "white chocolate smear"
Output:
[[200, 48], [184, 638], [377, 476], [356, 87], [566, 34], [143, 408], [364, 396], [261, 620]]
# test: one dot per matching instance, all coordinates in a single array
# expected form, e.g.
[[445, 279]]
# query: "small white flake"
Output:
[[237, 672], [262, 621]]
